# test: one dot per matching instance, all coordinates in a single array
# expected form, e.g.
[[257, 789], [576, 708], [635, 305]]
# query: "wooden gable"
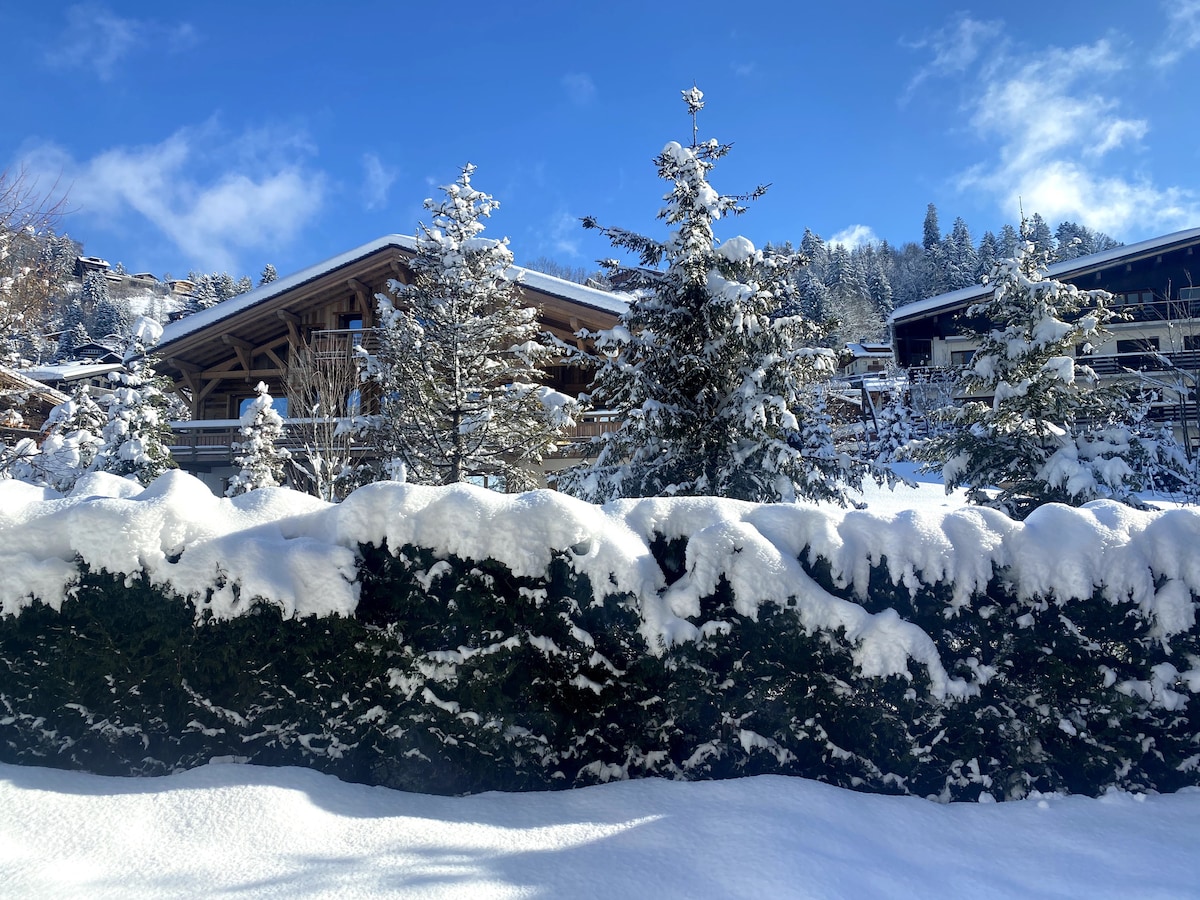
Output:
[[216, 357]]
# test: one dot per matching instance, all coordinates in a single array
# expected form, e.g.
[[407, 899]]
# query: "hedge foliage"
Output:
[[456, 676]]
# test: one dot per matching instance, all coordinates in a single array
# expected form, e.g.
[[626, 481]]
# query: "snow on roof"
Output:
[[22, 381], [608, 301], [867, 348], [547, 284], [1059, 270], [70, 371]]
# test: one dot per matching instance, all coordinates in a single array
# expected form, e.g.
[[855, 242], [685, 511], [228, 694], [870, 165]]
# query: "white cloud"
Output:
[[563, 237], [1060, 143], [377, 181], [1183, 31], [213, 210], [854, 236], [580, 87], [954, 48], [97, 38]]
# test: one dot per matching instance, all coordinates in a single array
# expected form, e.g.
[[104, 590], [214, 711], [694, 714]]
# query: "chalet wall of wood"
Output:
[[216, 357]]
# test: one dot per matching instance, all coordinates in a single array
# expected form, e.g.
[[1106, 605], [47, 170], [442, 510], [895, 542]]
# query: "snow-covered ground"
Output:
[[240, 830], [248, 831]]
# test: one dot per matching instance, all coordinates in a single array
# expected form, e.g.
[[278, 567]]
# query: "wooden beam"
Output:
[[275, 358], [293, 323], [362, 297], [575, 329], [243, 349]]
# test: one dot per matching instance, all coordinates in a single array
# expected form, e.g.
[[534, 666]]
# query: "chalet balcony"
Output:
[[342, 343], [1158, 310], [210, 442]]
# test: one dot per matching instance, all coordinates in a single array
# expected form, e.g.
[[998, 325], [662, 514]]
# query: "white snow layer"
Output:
[[300, 553], [249, 831]]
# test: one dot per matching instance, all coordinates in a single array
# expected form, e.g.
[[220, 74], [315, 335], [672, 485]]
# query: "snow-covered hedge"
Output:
[[455, 639]]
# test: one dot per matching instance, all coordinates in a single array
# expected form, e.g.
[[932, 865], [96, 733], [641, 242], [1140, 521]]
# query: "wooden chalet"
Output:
[[1156, 340], [217, 356], [24, 405]]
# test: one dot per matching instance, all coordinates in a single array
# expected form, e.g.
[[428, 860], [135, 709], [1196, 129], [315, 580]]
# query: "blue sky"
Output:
[[225, 135]]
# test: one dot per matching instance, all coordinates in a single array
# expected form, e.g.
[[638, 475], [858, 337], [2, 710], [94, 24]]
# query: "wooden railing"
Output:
[[211, 442]]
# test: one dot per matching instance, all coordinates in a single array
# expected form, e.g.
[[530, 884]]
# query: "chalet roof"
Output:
[[71, 371], [13, 379], [1067, 269], [546, 284], [869, 349]]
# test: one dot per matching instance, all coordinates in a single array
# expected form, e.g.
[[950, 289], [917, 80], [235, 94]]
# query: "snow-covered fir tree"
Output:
[[714, 389], [137, 433], [459, 362], [894, 428], [959, 259], [268, 275], [112, 318], [259, 458], [204, 294], [72, 444], [1049, 431], [95, 292]]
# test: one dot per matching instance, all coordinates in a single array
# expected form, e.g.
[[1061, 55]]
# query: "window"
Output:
[[1140, 354], [1133, 298], [353, 323], [279, 404], [961, 357]]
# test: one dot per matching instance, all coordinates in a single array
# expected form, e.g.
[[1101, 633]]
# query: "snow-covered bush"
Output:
[[455, 639]]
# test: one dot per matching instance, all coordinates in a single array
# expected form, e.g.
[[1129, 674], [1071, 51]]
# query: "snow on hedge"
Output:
[[300, 553]]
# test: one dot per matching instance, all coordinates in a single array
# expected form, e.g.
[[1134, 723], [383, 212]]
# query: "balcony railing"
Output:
[[342, 342], [210, 442]]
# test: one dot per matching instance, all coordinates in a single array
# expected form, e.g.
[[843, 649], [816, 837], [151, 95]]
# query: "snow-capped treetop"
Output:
[[712, 382], [460, 356], [260, 460]]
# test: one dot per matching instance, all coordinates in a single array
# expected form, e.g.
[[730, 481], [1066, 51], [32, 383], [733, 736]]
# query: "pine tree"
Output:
[[715, 391], [73, 332], [224, 285], [458, 362], [849, 299], [95, 292], [268, 275], [931, 232], [879, 282], [1036, 231], [137, 434], [1050, 432], [112, 318], [985, 256], [73, 441], [259, 458], [1008, 244], [1075, 240], [204, 294], [959, 259]]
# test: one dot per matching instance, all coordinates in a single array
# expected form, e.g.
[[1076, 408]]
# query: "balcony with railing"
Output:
[[210, 442]]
